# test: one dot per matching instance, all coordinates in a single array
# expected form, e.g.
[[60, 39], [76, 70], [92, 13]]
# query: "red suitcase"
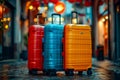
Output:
[[35, 47]]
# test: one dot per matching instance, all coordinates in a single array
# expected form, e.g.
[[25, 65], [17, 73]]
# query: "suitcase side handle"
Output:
[[74, 14], [56, 15]]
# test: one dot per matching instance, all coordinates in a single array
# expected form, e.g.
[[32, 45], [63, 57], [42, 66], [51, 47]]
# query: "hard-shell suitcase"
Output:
[[77, 52], [35, 47], [53, 60]]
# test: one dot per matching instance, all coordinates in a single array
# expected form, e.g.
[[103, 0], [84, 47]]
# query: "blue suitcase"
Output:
[[53, 60]]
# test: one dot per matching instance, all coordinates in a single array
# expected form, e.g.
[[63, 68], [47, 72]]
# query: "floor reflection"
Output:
[[8, 72]]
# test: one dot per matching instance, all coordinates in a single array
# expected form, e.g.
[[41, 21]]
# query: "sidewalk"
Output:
[[102, 70], [12, 64], [106, 64]]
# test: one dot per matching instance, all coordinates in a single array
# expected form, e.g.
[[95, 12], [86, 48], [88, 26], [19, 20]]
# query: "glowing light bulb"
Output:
[[50, 19], [30, 7], [39, 8], [6, 26], [45, 8], [74, 21], [4, 19], [35, 19], [8, 19], [106, 17], [103, 20], [62, 19]]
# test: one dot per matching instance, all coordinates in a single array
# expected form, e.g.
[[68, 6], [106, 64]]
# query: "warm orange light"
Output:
[[45, 8], [4, 19], [44, 14], [106, 17], [6, 26], [35, 19], [8, 19], [59, 7], [118, 9], [103, 20], [74, 20], [39, 8], [49, 19], [1, 11], [30, 7], [62, 19]]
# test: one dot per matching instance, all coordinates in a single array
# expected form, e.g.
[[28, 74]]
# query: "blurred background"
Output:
[[16, 16]]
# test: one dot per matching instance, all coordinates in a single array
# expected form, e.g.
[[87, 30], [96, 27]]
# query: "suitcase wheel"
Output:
[[89, 71], [69, 72], [80, 73], [33, 72], [45, 72], [49, 72], [52, 73]]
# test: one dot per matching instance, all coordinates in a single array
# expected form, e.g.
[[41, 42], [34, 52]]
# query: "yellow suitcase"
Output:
[[77, 50]]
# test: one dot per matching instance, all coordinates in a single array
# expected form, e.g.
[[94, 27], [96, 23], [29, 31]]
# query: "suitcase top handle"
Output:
[[55, 14], [74, 14]]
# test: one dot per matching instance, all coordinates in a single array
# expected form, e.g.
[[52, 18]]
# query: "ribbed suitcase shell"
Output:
[[77, 47], [35, 57], [53, 47]]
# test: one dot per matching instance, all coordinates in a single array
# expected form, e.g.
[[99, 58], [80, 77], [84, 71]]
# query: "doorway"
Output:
[[103, 34]]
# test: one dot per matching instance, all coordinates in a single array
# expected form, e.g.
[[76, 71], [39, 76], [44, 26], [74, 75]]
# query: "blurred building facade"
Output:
[[116, 30], [106, 24], [11, 32]]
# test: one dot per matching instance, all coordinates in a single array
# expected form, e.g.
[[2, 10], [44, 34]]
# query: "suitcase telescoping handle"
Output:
[[54, 14], [38, 16], [74, 15]]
